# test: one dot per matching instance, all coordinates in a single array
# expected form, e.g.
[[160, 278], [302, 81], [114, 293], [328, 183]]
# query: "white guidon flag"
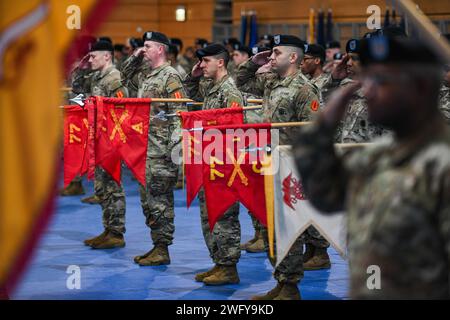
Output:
[[293, 214]]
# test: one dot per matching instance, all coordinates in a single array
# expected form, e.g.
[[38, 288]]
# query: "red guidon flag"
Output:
[[122, 134], [75, 142], [192, 124], [237, 156]]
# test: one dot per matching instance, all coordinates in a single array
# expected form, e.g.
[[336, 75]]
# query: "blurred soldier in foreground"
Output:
[[395, 192]]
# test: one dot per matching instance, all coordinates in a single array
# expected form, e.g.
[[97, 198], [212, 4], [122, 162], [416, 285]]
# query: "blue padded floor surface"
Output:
[[112, 274]]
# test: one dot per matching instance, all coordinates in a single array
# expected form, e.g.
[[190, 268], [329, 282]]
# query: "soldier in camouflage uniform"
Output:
[[157, 197], [288, 96], [395, 193], [219, 92], [107, 82], [315, 256], [355, 127]]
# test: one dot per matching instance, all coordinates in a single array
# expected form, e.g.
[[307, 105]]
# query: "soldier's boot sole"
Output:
[[289, 291], [271, 294], [200, 276]]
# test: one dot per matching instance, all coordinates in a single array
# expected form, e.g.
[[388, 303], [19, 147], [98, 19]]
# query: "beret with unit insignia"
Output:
[[288, 40], [315, 50], [156, 37], [352, 46], [102, 46]]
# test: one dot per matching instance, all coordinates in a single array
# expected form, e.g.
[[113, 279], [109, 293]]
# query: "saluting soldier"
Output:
[[107, 82], [157, 196], [288, 96], [217, 91]]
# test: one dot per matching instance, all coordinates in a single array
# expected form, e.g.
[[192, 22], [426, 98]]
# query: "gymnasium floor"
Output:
[[112, 274]]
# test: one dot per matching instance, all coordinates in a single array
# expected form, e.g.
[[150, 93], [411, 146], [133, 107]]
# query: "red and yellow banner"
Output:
[[192, 123]]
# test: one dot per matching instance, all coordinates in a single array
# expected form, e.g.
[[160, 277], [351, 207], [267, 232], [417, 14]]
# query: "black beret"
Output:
[[288, 40], [102, 46], [333, 44], [118, 47], [315, 50], [108, 39], [211, 50], [395, 50], [266, 37], [256, 50], [176, 41], [156, 37], [136, 43], [352, 46], [201, 42], [173, 49], [240, 47]]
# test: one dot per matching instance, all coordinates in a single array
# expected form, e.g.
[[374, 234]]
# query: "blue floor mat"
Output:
[[112, 274]]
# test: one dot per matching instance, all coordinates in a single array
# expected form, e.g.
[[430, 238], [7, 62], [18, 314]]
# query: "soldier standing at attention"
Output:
[[157, 197], [396, 192], [107, 83], [219, 92], [288, 96]]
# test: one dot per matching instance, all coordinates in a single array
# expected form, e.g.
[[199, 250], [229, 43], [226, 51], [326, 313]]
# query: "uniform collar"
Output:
[[106, 71], [157, 70]]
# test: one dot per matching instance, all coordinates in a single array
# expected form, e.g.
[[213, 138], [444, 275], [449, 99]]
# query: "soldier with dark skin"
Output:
[[394, 192], [219, 91], [288, 96]]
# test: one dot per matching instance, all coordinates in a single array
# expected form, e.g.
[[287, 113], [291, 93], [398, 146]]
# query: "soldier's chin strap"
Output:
[[79, 100]]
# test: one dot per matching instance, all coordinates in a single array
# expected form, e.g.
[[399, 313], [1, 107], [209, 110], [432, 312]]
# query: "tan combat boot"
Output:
[[89, 242], [320, 260], [271, 294], [91, 199], [145, 255], [258, 245], [200, 276], [289, 291], [159, 256], [223, 275], [111, 240], [75, 188], [244, 246]]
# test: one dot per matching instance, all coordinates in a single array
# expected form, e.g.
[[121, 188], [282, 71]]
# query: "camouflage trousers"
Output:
[[225, 239], [256, 224], [314, 238], [112, 201], [290, 269], [157, 199]]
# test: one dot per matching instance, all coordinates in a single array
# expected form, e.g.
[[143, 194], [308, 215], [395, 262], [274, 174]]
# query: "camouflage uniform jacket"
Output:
[[223, 94], [108, 84], [355, 127], [133, 70], [396, 196], [288, 99], [163, 82], [80, 81], [320, 83], [444, 101]]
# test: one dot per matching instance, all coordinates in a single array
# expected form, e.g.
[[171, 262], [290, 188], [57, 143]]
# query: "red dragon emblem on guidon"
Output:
[[292, 191]]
